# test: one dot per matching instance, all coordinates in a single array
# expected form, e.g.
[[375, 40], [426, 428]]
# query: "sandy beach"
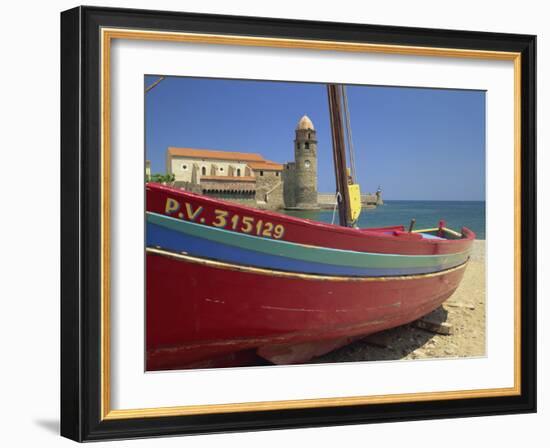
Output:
[[463, 314]]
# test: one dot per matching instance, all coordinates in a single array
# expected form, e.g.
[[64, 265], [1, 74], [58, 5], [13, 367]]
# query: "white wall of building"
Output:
[[182, 168]]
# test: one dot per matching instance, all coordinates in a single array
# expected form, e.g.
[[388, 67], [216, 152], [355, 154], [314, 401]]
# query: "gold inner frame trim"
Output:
[[107, 35]]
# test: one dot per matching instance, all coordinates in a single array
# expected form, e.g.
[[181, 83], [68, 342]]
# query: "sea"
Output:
[[456, 214]]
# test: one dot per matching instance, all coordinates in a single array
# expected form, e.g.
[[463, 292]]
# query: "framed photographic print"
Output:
[[274, 223]]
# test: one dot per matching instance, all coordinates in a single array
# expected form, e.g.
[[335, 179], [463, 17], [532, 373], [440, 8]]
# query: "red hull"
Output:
[[208, 211], [199, 310]]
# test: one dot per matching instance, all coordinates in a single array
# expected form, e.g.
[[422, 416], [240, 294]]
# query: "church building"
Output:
[[249, 178]]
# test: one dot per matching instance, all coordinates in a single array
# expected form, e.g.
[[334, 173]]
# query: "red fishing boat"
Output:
[[227, 282]]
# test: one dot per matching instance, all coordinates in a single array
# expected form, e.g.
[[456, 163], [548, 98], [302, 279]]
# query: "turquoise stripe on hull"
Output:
[[178, 242], [300, 252]]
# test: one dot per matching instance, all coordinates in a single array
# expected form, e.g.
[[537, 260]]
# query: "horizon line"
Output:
[[437, 200]]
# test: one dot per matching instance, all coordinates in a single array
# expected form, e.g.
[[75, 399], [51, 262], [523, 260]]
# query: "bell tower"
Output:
[[305, 157]]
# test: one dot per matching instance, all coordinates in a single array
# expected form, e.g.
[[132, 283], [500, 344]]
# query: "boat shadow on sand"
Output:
[[393, 344]]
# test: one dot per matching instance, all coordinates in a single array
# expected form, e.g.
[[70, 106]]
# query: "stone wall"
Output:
[[289, 185], [188, 186], [369, 199], [269, 189], [328, 200], [243, 199]]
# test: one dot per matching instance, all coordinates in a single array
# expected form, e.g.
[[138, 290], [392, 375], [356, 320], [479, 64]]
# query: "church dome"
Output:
[[305, 123]]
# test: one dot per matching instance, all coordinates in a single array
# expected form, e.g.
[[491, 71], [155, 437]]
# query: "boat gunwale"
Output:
[[305, 252], [304, 222]]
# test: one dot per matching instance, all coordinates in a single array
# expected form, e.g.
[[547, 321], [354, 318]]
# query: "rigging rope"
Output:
[[338, 198], [348, 134], [154, 84]]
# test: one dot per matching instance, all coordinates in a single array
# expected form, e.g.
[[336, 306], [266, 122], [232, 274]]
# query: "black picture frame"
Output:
[[81, 209]]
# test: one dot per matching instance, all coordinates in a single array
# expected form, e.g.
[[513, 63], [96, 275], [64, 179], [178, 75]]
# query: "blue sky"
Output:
[[418, 144]]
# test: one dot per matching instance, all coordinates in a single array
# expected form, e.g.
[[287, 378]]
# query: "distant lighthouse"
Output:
[[379, 200]]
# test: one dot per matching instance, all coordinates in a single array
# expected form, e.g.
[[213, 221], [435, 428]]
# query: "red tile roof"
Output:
[[254, 160], [266, 165], [215, 154]]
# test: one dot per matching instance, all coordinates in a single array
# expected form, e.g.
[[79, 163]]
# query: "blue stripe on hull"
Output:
[[167, 239]]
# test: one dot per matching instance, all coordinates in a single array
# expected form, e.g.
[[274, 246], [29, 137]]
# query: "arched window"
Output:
[[238, 172], [203, 171], [307, 145]]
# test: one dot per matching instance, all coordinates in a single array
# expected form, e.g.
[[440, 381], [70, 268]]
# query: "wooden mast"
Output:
[[339, 152]]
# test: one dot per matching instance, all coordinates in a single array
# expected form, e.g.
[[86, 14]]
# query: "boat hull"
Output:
[[199, 309]]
